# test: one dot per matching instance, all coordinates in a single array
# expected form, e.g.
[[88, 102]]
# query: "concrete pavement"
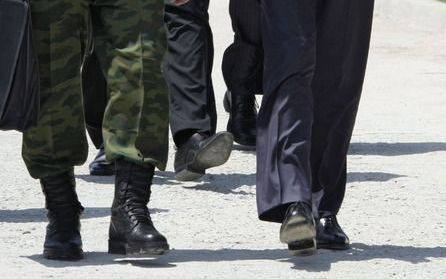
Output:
[[394, 211]]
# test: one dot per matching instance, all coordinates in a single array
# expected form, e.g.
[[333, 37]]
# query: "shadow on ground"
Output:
[[161, 177], [371, 176], [219, 183], [379, 148], [39, 214], [396, 149], [230, 183], [318, 263], [96, 179], [376, 149]]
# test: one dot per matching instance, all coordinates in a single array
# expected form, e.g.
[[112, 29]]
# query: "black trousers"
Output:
[[94, 91], [188, 69], [315, 60], [242, 65]]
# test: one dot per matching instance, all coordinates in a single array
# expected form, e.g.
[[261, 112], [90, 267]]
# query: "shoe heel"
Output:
[[303, 248], [189, 174], [117, 247], [63, 254], [299, 229]]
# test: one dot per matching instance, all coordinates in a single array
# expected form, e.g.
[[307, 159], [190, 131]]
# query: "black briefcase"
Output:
[[19, 72]]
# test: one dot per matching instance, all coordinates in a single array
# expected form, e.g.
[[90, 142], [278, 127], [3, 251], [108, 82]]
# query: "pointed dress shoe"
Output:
[[298, 230], [100, 166], [242, 117], [63, 239], [330, 235], [201, 152]]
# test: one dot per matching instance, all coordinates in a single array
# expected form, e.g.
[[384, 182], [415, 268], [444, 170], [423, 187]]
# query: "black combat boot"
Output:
[[242, 117], [63, 239], [131, 229]]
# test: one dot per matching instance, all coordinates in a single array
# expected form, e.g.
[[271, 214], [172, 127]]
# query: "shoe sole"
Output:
[[213, 154], [137, 249], [302, 248], [300, 235], [63, 255]]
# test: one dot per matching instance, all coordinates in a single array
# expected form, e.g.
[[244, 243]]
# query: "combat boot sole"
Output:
[[63, 254], [213, 153], [300, 235], [137, 248]]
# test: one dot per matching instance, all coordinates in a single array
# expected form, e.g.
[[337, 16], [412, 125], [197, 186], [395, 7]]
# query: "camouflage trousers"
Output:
[[129, 40]]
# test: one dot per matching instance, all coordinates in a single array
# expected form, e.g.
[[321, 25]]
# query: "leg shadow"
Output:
[[363, 252], [96, 179], [395, 149], [371, 176], [30, 215], [321, 262], [219, 183]]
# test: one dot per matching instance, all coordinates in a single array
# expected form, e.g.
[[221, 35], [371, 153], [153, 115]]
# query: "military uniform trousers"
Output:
[[315, 61], [242, 64], [129, 39], [188, 69]]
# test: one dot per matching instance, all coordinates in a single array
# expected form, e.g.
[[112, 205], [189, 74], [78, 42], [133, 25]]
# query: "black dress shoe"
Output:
[[131, 229], [63, 239], [298, 230], [330, 235], [201, 152], [242, 117], [100, 166]]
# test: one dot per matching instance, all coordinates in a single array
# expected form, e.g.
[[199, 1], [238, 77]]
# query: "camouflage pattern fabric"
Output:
[[130, 42]]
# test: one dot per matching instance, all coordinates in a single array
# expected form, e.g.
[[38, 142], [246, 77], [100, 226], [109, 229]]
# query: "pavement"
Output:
[[394, 211]]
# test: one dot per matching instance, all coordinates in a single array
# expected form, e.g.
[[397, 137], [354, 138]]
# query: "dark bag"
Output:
[[19, 72]]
